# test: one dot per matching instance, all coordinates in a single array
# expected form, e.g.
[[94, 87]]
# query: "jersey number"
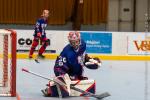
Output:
[[61, 61]]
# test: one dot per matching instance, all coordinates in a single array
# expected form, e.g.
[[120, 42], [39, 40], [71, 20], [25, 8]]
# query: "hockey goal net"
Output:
[[7, 63]]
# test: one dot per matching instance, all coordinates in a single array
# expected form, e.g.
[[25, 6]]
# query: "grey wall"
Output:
[[121, 15]]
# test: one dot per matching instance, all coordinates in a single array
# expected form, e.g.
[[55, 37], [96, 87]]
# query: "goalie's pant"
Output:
[[35, 43]]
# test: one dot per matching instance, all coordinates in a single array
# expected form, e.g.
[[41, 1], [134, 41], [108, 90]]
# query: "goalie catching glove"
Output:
[[93, 63]]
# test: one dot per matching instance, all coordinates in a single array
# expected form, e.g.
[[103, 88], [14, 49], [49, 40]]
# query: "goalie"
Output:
[[72, 60]]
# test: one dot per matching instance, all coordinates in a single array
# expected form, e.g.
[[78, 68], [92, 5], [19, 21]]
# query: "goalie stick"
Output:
[[98, 96]]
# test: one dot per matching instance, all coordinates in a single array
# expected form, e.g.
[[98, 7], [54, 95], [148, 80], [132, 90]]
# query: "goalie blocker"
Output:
[[54, 90]]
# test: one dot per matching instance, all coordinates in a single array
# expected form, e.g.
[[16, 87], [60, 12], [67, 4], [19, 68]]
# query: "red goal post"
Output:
[[8, 40]]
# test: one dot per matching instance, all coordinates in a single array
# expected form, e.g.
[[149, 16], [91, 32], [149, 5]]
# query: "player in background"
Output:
[[40, 35], [72, 61]]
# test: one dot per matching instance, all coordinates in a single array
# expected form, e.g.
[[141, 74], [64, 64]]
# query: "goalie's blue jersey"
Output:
[[71, 61], [40, 26]]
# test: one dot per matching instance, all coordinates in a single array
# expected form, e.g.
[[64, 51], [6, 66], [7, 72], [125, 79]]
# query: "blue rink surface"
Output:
[[124, 80]]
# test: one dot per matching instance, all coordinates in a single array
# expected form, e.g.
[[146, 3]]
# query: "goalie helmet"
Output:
[[74, 39]]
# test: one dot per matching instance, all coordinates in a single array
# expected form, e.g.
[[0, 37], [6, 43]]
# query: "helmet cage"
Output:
[[74, 39]]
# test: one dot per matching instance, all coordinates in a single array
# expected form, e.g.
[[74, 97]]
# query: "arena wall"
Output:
[[106, 45]]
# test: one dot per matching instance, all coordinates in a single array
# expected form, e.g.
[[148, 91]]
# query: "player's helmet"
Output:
[[74, 39]]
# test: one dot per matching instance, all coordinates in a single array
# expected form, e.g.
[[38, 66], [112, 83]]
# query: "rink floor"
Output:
[[124, 80]]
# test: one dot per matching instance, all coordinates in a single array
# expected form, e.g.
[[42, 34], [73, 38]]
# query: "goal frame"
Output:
[[13, 47]]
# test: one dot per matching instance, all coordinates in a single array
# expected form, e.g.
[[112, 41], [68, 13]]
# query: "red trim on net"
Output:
[[13, 61], [5, 61], [14, 38]]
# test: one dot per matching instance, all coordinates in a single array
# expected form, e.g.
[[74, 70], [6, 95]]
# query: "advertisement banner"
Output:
[[139, 44], [56, 41], [98, 42]]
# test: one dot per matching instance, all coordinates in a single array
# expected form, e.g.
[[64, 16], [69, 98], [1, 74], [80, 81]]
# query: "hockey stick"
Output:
[[36, 60], [100, 96]]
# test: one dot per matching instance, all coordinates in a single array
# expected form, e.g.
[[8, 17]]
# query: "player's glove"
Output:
[[93, 63]]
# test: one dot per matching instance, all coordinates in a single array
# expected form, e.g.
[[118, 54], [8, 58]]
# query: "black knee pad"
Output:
[[46, 43]]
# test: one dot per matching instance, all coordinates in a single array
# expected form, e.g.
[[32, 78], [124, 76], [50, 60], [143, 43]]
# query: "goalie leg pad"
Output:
[[57, 90], [86, 85], [52, 91]]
